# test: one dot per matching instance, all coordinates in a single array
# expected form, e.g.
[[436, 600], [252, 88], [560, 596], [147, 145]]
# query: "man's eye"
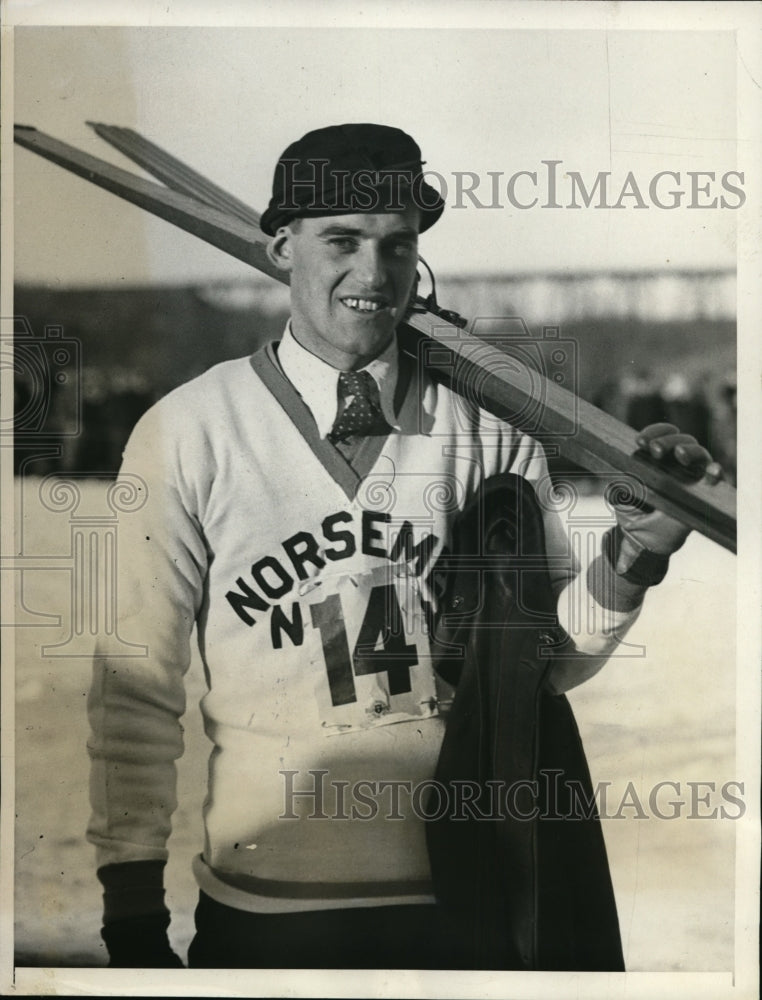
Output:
[[404, 249], [344, 243]]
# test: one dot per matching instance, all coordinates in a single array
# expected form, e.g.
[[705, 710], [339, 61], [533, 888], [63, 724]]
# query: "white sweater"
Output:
[[309, 584]]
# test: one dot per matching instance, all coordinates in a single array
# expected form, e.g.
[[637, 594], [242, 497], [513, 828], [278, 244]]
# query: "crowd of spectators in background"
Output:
[[80, 431], [86, 432], [704, 406]]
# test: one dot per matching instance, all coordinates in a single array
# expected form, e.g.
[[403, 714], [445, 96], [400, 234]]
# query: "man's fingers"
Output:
[[655, 431], [691, 453], [713, 473], [664, 441], [683, 446]]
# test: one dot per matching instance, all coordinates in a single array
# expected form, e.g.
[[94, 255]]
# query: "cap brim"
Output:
[[427, 199]]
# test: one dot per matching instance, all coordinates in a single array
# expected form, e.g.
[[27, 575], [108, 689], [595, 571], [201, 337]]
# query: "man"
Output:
[[293, 507]]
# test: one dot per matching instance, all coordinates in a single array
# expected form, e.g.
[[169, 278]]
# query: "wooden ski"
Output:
[[572, 428]]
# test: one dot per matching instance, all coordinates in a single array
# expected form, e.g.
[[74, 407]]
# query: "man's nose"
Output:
[[371, 268]]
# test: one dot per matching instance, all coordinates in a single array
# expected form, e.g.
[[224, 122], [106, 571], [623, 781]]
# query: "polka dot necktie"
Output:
[[362, 416]]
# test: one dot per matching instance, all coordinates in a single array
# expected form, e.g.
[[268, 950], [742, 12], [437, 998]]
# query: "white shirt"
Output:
[[317, 382]]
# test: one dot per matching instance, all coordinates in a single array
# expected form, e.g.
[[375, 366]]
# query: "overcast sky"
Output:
[[228, 101]]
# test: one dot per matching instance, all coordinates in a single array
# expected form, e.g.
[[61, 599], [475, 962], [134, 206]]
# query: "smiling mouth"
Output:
[[367, 306]]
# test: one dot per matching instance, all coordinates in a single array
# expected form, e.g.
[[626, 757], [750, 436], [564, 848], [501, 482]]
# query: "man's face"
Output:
[[351, 278]]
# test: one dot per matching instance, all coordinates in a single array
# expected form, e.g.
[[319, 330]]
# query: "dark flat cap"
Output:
[[345, 169]]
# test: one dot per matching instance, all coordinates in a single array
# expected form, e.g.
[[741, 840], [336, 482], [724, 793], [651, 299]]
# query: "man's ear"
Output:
[[279, 249]]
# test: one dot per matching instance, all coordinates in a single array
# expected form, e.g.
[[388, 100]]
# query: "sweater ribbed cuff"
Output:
[[632, 561], [616, 580], [132, 889]]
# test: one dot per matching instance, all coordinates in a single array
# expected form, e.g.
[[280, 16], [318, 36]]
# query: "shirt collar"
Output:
[[317, 382]]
